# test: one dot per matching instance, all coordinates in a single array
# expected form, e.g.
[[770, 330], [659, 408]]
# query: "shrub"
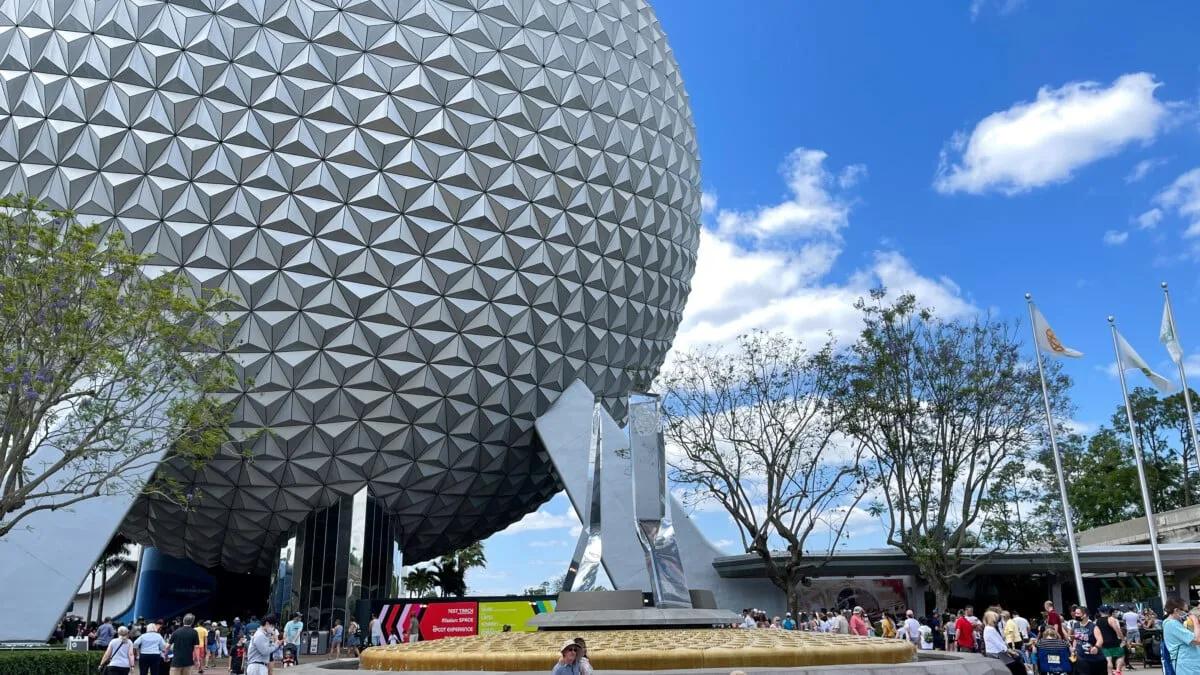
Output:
[[48, 662]]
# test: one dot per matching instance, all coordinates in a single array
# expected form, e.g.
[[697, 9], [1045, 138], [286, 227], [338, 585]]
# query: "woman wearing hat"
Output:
[[568, 664]]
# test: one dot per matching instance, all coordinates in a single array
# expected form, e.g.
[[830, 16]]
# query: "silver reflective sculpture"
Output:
[[586, 561], [652, 510], [432, 215]]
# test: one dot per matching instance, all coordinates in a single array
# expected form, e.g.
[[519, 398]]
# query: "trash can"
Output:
[[314, 642]]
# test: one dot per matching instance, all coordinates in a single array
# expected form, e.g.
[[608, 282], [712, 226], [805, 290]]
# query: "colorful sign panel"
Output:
[[449, 619], [494, 616], [441, 619]]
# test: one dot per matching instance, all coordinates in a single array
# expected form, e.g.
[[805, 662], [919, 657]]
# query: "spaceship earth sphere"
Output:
[[432, 215]]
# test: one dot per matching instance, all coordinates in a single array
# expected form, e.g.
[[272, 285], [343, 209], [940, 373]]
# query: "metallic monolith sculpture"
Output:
[[652, 512], [585, 563]]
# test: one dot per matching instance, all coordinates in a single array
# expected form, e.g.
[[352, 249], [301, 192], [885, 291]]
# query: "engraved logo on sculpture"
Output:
[[1052, 340], [644, 418]]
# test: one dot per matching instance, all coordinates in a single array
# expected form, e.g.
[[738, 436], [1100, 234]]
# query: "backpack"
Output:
[[1168, 662]]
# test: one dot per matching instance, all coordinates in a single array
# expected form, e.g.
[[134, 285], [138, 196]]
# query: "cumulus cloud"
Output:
[[812, 206], [1115, 238], [769, 268], [1002, 6], [1038, 143], [1182, 197], [1144, 167], [543, 519], [1150, 219]]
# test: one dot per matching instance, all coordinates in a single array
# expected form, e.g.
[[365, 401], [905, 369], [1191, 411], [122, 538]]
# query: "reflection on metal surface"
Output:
[[357, 549], [585, 563], [652, 511]]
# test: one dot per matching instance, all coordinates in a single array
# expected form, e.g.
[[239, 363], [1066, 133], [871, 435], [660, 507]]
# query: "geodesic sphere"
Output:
[[433, 214]]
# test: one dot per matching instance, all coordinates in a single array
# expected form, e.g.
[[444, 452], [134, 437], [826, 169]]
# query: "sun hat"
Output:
[[569, 644]]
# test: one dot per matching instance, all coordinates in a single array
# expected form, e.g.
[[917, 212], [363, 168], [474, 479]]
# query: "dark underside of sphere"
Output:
[[432, 215]]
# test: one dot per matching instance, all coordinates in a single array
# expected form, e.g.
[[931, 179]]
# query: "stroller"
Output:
[[1054, 660]]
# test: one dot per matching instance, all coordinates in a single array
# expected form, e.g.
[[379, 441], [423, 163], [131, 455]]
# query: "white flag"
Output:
[[1128, 359], [1166, 335], [1047, 340]]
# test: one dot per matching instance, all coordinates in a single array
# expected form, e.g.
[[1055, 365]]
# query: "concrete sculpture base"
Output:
[[641, 650]]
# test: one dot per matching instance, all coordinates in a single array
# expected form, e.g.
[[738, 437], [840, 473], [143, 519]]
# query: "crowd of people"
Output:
[[184, 646], [1082, 641]]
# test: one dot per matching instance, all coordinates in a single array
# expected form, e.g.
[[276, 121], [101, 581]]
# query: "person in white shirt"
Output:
[[911, 630], [993, 641], [748, 619], [1133, 631], [375, 628], [1022, 626], [118, 657]]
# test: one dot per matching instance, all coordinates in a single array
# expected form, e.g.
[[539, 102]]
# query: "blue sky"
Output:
[[968, 152]]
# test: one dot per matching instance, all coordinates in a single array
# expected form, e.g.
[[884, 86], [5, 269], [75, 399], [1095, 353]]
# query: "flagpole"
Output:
[[1187, 395], [1058, 470], [1151, 524]]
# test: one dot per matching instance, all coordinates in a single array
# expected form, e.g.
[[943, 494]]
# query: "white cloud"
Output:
[[1033, 144], [542, 519], [1150, 219], [1182, 197], [1115, 238], [1144, 167], [768, 269], [549, 543], [1002, 7], [726, 545], [708, 202], [810, 208]]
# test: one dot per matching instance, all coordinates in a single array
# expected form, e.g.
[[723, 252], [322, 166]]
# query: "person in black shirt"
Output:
[[183, 645]]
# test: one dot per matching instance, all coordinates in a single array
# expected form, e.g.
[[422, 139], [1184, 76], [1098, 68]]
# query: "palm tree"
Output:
[[450, 577], [113, 554], [471, 556], [419, 582]]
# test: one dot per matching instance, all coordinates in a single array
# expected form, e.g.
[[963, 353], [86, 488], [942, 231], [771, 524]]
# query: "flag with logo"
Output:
[[1047, 340], [1167, 335], [1129, 359]]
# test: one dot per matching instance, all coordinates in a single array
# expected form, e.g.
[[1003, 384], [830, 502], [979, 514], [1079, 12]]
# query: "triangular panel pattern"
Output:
[[433, 216]]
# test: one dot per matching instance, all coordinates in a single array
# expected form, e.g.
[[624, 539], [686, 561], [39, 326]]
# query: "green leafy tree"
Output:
[[950, 413], [100, 366], [1101, 472]]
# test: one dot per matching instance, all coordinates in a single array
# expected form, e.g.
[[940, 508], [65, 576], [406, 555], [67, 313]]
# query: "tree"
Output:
[[420, 582], [1098, 472], [450, 571], [101, 365], [950, 413], [547, 587], [1101, 472], [451, 578], [113, 555], [752, 430]]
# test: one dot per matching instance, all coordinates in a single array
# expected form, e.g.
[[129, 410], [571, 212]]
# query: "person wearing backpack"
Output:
[[1181, 645], [118, 658]]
